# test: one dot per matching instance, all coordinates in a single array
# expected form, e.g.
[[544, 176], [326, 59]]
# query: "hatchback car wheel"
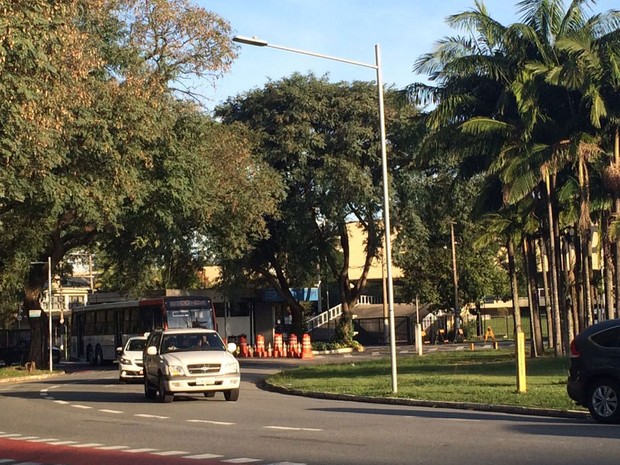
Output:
[[603, 401]]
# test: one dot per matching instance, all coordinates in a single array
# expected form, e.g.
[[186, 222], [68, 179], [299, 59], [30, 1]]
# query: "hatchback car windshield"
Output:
[[191, 342], [136, 345]]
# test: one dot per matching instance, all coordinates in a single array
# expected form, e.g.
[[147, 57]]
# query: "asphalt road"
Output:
[[88, 418]]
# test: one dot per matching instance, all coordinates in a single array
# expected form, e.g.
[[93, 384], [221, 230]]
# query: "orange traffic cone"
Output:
[[306, 347]]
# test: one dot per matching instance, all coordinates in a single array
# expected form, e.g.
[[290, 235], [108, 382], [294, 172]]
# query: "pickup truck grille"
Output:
[[203, 368]]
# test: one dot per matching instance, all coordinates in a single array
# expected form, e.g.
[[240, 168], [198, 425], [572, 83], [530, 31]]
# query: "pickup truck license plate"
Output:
[[204, 381]]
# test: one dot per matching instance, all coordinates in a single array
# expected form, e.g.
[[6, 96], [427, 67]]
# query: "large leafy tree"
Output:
[[322, 138], [95, 146]]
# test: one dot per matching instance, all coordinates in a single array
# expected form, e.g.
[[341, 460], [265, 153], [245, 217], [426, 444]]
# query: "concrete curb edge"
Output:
[[516, 410]]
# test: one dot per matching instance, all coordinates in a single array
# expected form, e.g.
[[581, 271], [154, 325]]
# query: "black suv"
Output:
[[594, 375]]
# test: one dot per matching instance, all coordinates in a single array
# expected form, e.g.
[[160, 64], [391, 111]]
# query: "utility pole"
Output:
[[457, 308]]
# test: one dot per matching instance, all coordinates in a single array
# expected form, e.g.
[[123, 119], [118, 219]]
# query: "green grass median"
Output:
[[484, 377]]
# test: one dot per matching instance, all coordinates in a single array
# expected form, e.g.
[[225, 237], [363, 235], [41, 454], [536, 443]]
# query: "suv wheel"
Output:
[[149, 392], [232, 394], [164, 396], [603, 400]]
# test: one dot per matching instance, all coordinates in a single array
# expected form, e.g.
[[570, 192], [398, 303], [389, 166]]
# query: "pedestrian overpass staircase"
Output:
[[324, 318]]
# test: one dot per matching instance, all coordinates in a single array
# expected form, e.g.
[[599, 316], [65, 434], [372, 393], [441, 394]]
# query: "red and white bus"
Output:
[[98, 330]]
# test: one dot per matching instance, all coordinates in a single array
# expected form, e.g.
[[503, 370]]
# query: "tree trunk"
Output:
[[544, 265], [608, 266], [529, 255], [553, 270]]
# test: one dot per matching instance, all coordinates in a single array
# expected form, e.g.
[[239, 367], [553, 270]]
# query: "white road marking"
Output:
[[26, 438], [286, 463], [62, 443], [63, 402], [221, 423], [146, 415], [241, 460], [81, 406], [43, 440], [202, 456], [8, 435], [88, 444], [292, 428], [137, 451], [170, 452], [112, 447], [105, 410]]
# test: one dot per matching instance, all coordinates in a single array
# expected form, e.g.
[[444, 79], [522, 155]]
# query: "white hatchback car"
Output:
[[189, 361], [130, 359]]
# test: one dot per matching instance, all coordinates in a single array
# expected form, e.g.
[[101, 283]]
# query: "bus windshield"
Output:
[[190, 318]]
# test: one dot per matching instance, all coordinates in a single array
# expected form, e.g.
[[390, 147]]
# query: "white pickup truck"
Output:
[[189, 361]]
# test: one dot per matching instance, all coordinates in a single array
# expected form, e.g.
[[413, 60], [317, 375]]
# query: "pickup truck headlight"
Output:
[[231, 367], [176, 370]]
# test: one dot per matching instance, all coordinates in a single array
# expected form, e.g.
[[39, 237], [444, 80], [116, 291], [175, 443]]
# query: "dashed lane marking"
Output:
[[85, 407], [170, 452], [292, 428], [148, 415], [88, 444], [139, 451], [105, 410], [62, 443], [112, 447], [211, 422], [203, 456], [241, 460]]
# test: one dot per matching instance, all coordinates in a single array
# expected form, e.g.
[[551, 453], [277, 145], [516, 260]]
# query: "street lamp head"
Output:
[[250, 41]]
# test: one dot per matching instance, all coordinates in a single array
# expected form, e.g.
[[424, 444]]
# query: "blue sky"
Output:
[[404, 29]]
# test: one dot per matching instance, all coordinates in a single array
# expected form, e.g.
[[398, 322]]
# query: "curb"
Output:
[[23, 379], [470, 406]]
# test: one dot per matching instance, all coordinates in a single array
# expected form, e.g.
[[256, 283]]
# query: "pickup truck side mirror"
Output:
[[151, 350]]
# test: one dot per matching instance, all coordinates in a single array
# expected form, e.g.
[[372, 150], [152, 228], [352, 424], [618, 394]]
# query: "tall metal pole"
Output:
[[386, 200], [455, 277], [49, 308], [386, 220]]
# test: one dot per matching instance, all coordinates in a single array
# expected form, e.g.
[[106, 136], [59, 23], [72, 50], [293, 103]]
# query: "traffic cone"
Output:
[[306, 347], [292, 344]]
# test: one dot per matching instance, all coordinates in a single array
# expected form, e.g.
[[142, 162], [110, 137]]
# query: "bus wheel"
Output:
[[98, 356], [164, 396], [89, 355]]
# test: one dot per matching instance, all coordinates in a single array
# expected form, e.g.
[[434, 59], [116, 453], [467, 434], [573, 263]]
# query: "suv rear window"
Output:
[[608, 338]]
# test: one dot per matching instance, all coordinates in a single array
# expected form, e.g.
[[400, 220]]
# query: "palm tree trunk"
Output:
[[608, 267], [529, 255], [544, 265], [553, 270], [617, 217]]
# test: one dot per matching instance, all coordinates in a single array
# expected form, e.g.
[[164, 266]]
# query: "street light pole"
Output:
[[386, 202], [49, 306], [455, 277]]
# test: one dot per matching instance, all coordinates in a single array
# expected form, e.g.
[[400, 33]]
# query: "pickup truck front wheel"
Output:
[[163, 395], [149, 391], [231, 395]]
